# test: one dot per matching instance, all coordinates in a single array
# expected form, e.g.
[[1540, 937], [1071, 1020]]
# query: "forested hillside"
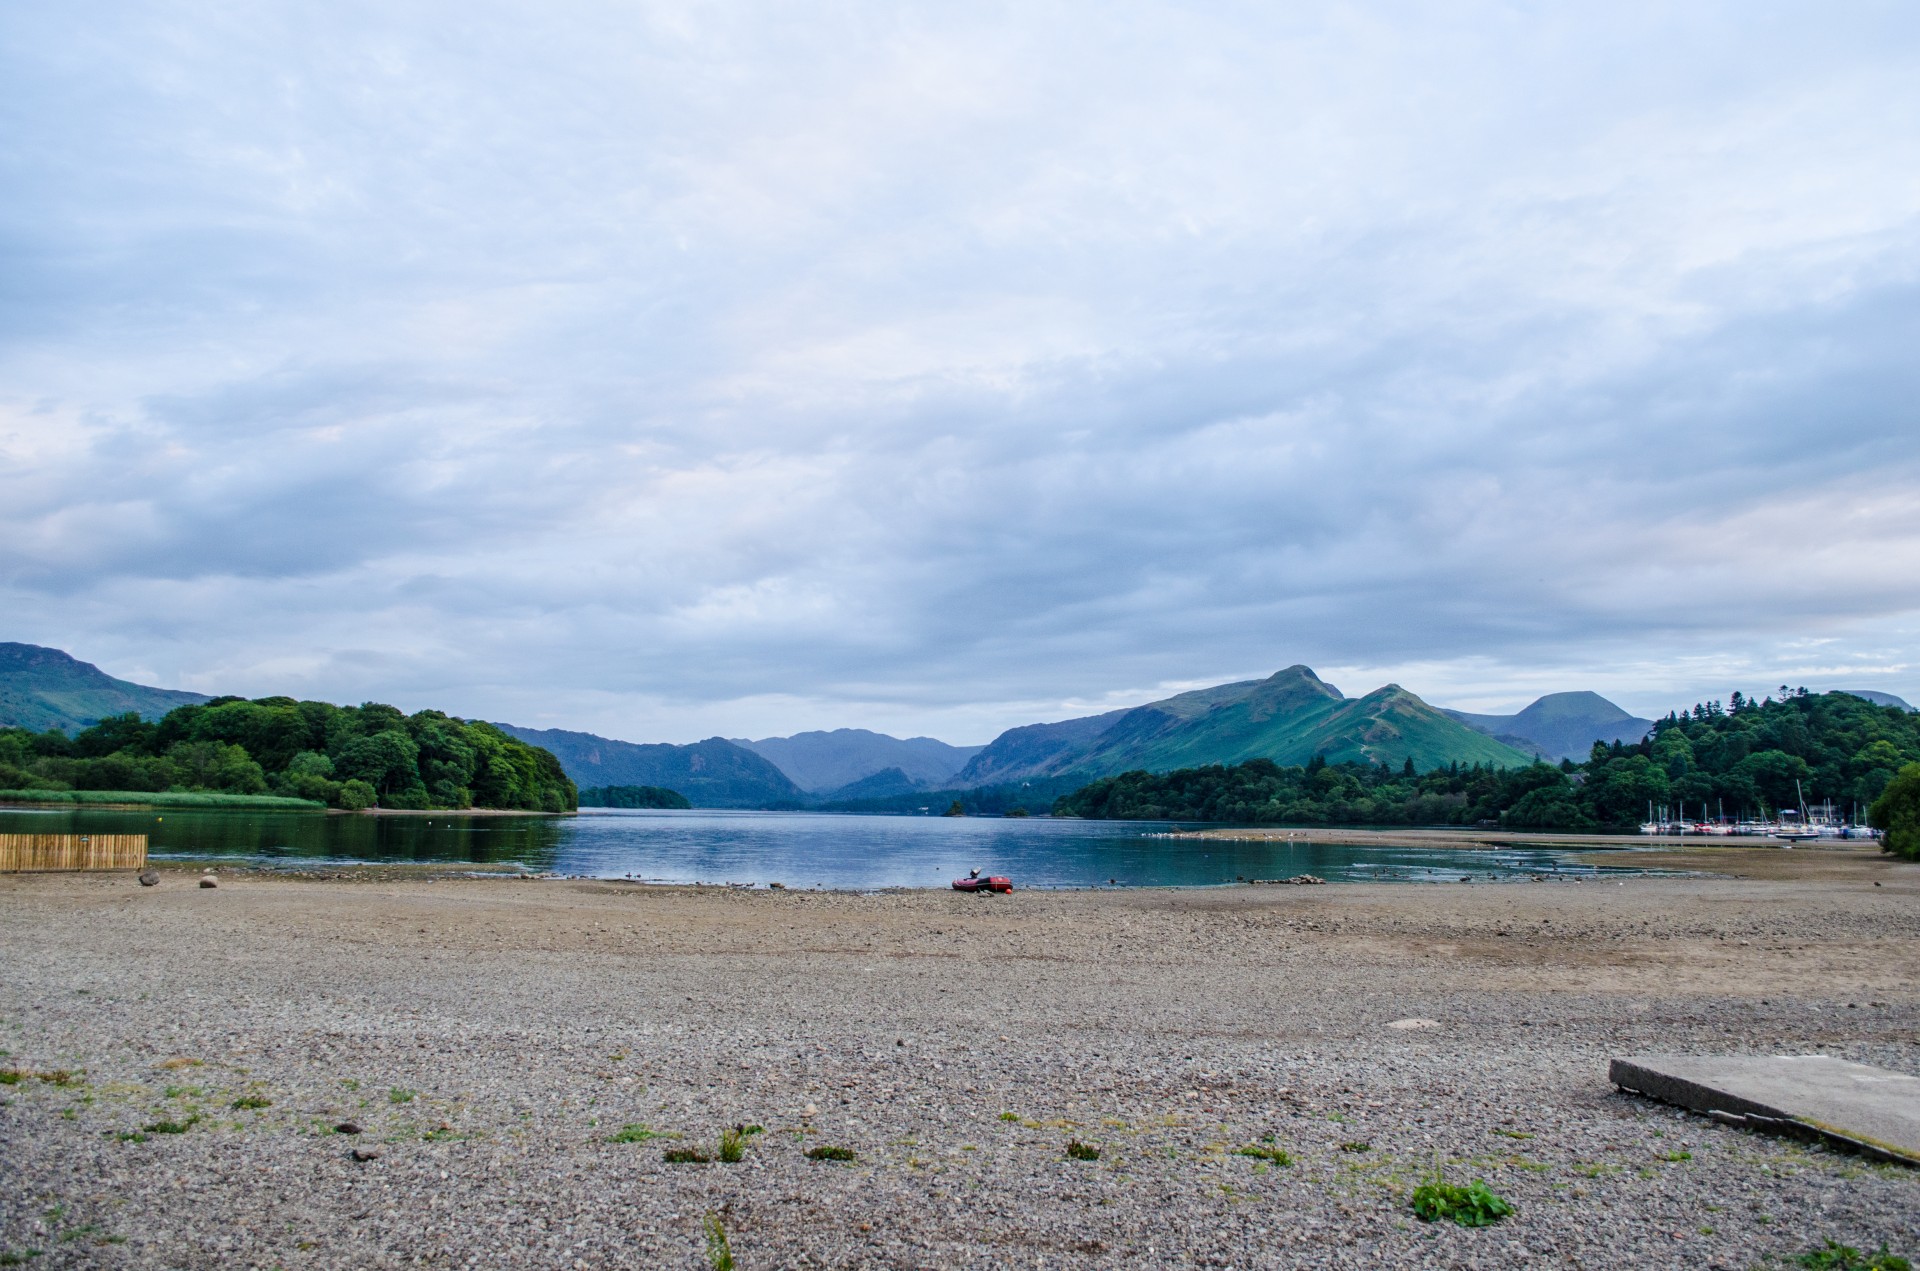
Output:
[[1743, 758], [349, 757], [43, 688]]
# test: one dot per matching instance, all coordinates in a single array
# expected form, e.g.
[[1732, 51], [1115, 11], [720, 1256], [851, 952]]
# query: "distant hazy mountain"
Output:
[[877, 785], [1288, 718], [1877, 698], [713, 773], [821, 761], [1561, 725], [45, 688]]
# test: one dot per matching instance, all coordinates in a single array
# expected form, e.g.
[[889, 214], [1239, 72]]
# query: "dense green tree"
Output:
[[1896, 813], [349, 757], [1743, 761]]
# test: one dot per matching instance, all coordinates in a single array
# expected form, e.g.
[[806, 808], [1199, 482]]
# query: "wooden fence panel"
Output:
[[21, 853]]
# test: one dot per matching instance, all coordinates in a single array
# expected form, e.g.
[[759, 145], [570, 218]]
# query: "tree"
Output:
[[1896, 813]]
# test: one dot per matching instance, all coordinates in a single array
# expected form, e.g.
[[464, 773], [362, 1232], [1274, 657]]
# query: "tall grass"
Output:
[[161, 798]]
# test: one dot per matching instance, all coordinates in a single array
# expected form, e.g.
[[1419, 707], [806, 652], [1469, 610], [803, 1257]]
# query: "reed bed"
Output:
[[164, 799]]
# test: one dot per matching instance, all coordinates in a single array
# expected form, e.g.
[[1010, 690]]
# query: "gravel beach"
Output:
[[183, 1059]]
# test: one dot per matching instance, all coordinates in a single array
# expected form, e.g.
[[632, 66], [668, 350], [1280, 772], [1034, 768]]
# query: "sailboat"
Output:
[[1799, 831]]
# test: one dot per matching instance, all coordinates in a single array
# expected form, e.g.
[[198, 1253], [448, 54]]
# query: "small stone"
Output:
[[149, 878], [208, 880], [346, 1127], [809, 1111], [365, 1154], [1409, 1024]]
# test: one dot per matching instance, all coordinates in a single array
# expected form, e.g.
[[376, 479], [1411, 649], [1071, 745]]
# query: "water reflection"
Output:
[[794, 849]]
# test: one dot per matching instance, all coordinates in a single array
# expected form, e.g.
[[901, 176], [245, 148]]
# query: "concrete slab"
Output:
[[1868, 1109]]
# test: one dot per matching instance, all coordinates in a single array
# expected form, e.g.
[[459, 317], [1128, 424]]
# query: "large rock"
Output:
[[149, 878]]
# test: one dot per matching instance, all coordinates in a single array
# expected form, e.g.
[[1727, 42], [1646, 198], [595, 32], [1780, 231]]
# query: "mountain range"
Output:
[[818, 762], [1288, 717], [1560, 725], [713, 773], [44, 688]]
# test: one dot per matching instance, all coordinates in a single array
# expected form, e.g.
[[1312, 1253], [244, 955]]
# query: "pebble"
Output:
[[1166, 1029]]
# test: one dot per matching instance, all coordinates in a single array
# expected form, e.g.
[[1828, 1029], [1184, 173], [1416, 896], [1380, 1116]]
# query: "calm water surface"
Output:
[[799, 849]]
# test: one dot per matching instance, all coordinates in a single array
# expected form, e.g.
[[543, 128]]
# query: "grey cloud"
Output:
[[646, 367]]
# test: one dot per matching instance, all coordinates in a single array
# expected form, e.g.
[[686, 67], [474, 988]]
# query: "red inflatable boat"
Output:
[[977, 883]]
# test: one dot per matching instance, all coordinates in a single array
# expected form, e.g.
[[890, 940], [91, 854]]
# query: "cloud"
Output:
[[677, 370]]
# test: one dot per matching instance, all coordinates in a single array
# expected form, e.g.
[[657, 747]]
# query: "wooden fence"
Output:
[[33, 852]]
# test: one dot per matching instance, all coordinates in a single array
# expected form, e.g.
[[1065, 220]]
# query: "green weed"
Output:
[[1078, 1151], [685, 1156], [18, 1257], [1356, 1147], [131, 1136], [638, 1134], [1674, 1156], [399, 1094], [719, 1252], [826, 1152], [1009, 1116], [173, 1127], [1834, 1256], [733, 1145], [1265, 1152], [1474, 1205], [251, 1103]]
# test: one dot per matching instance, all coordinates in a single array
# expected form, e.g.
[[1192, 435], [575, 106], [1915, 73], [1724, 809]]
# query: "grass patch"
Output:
[[53, 1076], [685, 1156], [639, 1134], [18, 1257], [251, 1103], [131, 1136], [161, 799], [1674, 1156], [172, 1127], [1834, 1256], [719, 1252], [733, 1144], [1078, 1151], [826, 1152], [399, 1094], [1474, 1205], [1266, 1152], [1009, 1116], [1514, 1134], [1356, 1146], [440, 1134]]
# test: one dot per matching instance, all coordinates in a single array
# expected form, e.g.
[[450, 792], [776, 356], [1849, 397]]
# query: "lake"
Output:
[[798, 849]]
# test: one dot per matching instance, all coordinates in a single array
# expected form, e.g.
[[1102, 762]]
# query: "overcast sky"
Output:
[[674, 369]]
